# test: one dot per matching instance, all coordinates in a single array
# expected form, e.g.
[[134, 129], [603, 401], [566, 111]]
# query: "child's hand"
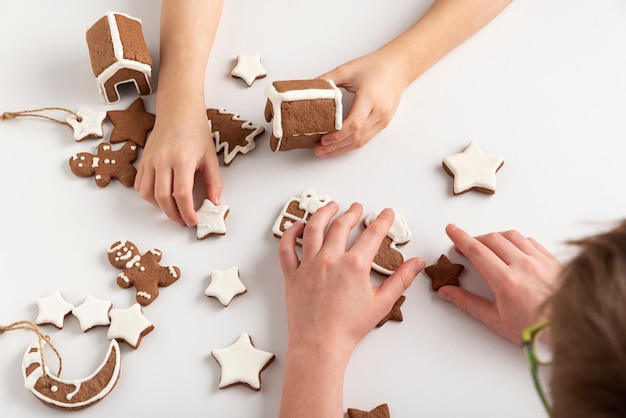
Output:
[[177, 148], [378, 87], [520, 272], [331, 303]]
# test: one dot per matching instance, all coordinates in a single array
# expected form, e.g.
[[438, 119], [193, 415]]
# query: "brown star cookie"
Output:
[[381, 411], [444, 273], [395, 314], [131, 124]]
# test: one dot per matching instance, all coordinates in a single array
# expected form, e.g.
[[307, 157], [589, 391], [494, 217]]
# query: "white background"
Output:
[[543, 86]]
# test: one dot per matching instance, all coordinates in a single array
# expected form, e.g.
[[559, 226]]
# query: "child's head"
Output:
[[588, 330]]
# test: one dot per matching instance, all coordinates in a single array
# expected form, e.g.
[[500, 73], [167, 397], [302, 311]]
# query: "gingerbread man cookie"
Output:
[[142, 271], [107, 164]]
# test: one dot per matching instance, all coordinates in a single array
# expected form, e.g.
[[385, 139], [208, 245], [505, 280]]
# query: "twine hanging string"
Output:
[[37, 113], [41, 339]]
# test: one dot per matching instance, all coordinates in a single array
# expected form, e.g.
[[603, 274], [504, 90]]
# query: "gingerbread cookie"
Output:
[[395, 314], [93, 312], [142, 271], [129, 325], [381, 411], [248, 68], [301, 112], [87, 123], [70, 394], [225, 285], [211, 219], [298, 209], [232, 134], [444, 273], [107, 164], [388, 258], [53, 309], [131, 124], [472, 169], [242, 363]]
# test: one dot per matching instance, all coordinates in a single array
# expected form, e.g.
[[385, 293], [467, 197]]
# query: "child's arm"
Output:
[[180, 143], [378, 79], [332, 305]]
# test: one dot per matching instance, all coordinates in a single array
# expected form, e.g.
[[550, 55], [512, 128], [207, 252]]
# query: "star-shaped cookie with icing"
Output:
[[242, 363], [444, 273], [211, 219], [248, 68], [129, 325], [87, 123], [225, 285], [53, 309], [93, 312], [472, 169]]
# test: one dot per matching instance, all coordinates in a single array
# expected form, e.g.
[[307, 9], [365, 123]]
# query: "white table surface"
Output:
[[543, 86]]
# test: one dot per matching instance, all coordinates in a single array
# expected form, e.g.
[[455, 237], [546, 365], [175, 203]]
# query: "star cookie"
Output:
[[93, 312], [131, 124], [381, 411], [87, 124], [444, 273], [129, 325], [248, 68], [211, 219], [395, 314], [472, 169], [242, 363], [225, 285], [232, 134], [53, 309]]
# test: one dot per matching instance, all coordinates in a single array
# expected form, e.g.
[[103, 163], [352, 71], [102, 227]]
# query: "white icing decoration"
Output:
[[248, 68], [211, 219], [242, 363], [399, 233], [225, 285], [124, 277], [133, 261], [92, 312], [32, 356], [144, 295], [90, 123], [309, 201], [307, 94], [172, 271], [52, 309], [473, 168], [128, 324]]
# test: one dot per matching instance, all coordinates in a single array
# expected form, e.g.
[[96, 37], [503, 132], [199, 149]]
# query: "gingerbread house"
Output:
[[119, 55], [301, 112]]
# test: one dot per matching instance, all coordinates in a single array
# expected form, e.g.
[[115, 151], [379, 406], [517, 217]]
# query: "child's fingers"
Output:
[[287, 255], [395, 285], [339, 231], [313, 237], [369, 241], [474, 305]]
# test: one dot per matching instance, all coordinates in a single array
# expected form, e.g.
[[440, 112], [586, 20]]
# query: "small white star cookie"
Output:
[[242, 363], [53, 309], [129, 325], [211, 219], [88, 123], [93, 312], [248, 68], [472, 169], [225, 285]]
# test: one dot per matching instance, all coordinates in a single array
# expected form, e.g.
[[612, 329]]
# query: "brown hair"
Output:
[[588, 330]]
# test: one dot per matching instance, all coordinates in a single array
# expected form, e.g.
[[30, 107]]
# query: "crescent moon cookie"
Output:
[[242, 363], [472, 169], [211, 219], [71, 394], [225, 285], [53, 309], [107, 164], [141, 271], [248, 68], [232, 134], [298, 209], [389, 257]]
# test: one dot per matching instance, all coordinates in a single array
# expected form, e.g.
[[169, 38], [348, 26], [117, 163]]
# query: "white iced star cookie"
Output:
[[93, 312], [129, 325], [248, 68], [225, 285], [472, 169], [211, 219], [242, 363], [53, 309], [88, 123]]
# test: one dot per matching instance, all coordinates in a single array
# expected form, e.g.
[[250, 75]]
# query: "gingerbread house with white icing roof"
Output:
[[302, 111], [119, 55]]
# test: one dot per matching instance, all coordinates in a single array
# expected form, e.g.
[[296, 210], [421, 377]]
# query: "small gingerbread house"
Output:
[[302, 111], [119, 55]]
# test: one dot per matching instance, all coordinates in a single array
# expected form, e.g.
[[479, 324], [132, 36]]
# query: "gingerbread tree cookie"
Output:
[[232, 134], [142, 271], [107, 164]]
